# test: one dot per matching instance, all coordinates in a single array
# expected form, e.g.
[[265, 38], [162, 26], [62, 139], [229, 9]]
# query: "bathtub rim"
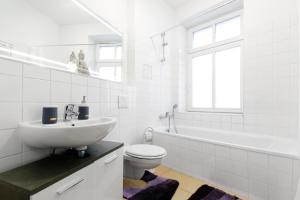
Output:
[[270, 151]]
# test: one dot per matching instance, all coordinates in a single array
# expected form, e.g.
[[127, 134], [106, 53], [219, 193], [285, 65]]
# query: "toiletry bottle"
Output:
[[83, 110]]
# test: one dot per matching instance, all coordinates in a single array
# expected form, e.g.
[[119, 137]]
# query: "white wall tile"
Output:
[[276, 193], [10, 162], [93, 94], [60, 76], [79, 79], [10, 67], [296, 179], [279, 179], [104, 95], [30, 71], [60, 92], [208, 148], [105, 109], [222, 151], [281, 164], [32, 111], [257, 173], [78, 91], [11, 88], [35, 90], [31, 156], [10, 115], [238, 155], [258, 159], [10, 143], [94, 110], [223, 164], [93, 82], [258, 190], [239, 184], [239, 169]]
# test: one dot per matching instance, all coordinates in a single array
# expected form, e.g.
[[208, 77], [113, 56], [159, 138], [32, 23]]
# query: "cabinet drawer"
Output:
[[108, 176], [77, 186]]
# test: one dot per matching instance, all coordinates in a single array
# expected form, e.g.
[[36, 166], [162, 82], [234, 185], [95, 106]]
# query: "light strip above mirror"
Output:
[[100, 19]]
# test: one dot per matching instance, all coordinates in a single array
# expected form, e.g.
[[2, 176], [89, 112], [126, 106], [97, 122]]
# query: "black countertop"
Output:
[[34, 177]]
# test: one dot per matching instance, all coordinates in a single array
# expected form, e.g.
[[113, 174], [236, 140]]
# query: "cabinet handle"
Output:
[[69, 186], [111, 159]]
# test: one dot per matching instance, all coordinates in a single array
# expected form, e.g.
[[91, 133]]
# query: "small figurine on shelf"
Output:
[[73, 61], [82, 66]]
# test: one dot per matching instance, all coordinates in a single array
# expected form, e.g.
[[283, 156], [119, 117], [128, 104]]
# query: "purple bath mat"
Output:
[[206, 192], [158, 188]]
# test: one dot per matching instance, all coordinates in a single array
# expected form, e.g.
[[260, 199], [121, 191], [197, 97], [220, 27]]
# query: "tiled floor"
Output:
[[187, 184]]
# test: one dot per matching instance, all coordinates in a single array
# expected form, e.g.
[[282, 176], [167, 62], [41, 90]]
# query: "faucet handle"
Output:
[[166, 115], [70, 107]]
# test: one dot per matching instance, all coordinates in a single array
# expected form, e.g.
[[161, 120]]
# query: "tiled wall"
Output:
[[256, 176], [153, 79], [270, 73], [26, 89]]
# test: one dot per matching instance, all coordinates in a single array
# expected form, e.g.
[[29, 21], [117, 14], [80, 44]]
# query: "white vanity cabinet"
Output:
[[101, 180]]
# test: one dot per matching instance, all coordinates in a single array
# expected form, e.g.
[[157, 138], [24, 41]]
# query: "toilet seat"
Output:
[[145, 151], [141, 157]]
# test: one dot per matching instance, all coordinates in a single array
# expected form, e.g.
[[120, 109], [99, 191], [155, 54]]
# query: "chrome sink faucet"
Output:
[[70, 112]]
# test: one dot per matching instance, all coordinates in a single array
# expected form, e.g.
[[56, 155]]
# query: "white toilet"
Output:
[[141, 157]]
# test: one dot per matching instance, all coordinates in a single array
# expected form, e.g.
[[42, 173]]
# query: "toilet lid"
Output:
[[145, 151]]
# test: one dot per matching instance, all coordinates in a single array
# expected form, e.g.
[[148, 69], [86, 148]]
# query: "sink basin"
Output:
[[75, 134]]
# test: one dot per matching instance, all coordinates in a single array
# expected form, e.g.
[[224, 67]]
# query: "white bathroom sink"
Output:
[[75, 134]]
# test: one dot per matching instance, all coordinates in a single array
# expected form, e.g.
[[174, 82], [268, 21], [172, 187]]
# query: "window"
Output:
[[202, 37], [109, 62], [214, 78]]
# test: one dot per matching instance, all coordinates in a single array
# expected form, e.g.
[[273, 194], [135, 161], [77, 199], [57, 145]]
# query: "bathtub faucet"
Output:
[[169, 116]]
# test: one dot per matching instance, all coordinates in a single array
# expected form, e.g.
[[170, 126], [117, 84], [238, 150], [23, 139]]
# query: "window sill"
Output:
[[235, 112]]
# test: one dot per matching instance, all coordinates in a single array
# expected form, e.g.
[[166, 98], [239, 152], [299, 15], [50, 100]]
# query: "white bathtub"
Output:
[[260, 143], [254, 166]]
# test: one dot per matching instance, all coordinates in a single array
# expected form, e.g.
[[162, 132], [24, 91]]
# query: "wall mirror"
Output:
[[62, 34]]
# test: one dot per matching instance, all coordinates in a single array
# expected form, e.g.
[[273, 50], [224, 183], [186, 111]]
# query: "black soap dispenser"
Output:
[[83, 110]]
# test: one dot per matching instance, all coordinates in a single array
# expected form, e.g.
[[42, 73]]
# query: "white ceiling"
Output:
[[176, 3], [63, 12]]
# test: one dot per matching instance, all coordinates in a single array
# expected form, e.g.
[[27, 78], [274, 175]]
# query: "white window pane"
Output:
[[107, 73], [203, 37], [228, 66], [228, 29], [119, 53], [118, 74], [107, 53], [202, 81]]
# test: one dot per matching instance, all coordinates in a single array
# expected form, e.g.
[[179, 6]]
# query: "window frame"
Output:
[[213, 48], [113, 63]]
